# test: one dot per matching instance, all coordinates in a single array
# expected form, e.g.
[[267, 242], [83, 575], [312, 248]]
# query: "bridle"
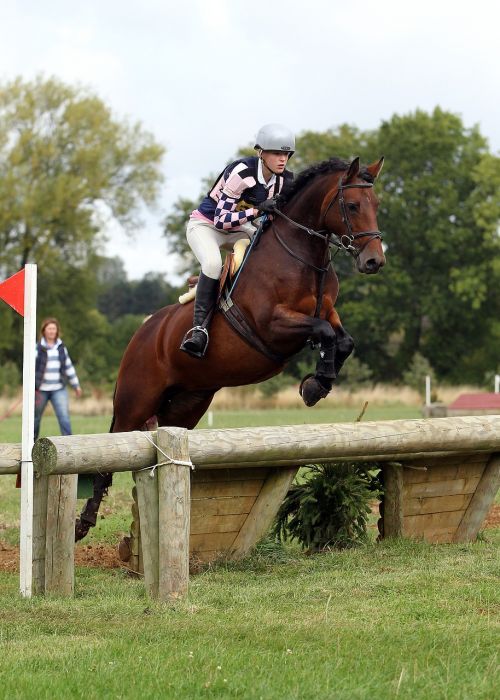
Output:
[[344, 241]]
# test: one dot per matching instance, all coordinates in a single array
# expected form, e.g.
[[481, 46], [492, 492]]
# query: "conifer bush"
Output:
[[330, 505]]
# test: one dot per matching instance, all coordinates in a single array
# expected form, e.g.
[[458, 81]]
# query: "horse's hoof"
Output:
[[312, 390], [81, 529]]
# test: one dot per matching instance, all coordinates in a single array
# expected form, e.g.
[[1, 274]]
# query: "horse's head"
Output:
[[350, 211]]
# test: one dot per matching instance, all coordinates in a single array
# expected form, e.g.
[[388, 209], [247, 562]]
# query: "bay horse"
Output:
[[284, 297]]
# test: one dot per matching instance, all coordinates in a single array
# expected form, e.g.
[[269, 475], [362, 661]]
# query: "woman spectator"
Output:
[[52, 370]]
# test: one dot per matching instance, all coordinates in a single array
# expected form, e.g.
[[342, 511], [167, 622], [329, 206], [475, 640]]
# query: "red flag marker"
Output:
[[12, 291]]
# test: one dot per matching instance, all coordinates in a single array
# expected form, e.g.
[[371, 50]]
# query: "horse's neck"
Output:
[[304, 209]]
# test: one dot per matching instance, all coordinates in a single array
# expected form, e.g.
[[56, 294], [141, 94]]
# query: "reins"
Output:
[[342, 242]]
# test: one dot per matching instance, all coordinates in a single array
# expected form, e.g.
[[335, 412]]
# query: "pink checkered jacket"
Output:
[[230, 202]]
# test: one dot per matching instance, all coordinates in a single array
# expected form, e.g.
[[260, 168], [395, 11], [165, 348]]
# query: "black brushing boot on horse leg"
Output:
[[195, 341]]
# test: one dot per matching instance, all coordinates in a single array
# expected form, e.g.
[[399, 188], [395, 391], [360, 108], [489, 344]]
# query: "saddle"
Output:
[[232, 264]]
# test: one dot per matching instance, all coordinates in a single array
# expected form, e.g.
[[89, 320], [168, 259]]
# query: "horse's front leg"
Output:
[[335, 346], [332, 357]]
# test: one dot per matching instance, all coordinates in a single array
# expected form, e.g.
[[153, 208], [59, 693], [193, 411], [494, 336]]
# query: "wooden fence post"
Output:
[[147, 499], [174, 506], [40, 492], [60, 547], [393, 500]]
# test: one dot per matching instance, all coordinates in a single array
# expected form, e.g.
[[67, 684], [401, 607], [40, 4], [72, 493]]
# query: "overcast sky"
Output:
[[202, 76]]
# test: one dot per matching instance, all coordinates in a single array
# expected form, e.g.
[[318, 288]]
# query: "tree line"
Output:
[[68, 166]]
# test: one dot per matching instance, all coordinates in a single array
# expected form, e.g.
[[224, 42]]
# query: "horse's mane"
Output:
[[333, 165]]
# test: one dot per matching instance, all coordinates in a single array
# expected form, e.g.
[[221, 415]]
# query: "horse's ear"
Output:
[[375, 168], [353, 170]]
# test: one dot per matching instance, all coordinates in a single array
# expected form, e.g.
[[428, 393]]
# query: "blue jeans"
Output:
[[59, 401]]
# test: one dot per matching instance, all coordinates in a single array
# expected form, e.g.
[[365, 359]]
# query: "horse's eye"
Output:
[[353, 206]]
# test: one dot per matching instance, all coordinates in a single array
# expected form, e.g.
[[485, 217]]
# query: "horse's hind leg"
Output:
[[185, 408], [123, 420]]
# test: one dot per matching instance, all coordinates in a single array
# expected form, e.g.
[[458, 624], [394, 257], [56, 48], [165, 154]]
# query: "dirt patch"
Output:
[[493, 517], [9, 557], [100, 556], [97, 556]]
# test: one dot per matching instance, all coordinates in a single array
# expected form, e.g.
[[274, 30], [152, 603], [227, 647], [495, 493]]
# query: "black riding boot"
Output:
[[196, 340]]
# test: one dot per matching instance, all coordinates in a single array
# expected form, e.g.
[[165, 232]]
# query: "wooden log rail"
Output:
[[10, 459], [279, 446]]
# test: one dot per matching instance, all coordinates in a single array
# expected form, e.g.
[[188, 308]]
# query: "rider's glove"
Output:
[[268, 206]]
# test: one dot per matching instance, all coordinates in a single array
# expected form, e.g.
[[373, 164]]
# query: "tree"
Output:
[[65, 165], [438, 294], [175, 233], [117, 296]]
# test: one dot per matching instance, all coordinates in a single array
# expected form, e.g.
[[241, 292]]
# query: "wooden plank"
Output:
[[457, 468], [264, 511], [173, 513], [480, 502], [248, 487], [199, 476], [437, 504], [40, 494], [147, 499], [222, 506], [416, 525], [60, 542], [393, 500], [217, 523], [218, 542], [444, 536], [442, 488]]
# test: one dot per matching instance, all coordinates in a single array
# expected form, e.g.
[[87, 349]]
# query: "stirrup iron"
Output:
[[188, 336]]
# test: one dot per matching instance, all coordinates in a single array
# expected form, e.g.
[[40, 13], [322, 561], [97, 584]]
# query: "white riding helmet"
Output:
[[275, 137]]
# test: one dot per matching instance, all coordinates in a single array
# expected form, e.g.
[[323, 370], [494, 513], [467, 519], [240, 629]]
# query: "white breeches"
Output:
[[206, 241]]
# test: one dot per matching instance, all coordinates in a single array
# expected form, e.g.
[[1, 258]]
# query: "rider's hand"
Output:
[[267, 206], [78, 392]]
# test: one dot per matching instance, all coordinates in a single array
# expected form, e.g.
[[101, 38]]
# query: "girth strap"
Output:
[[238, 322]]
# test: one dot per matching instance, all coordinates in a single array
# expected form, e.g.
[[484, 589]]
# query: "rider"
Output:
[[227, 212]]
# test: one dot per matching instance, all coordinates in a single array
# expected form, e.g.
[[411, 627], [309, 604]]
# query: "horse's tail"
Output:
[[88, 516], [114, 417]]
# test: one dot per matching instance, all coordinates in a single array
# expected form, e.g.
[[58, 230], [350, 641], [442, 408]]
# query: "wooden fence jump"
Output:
[[441, 476]]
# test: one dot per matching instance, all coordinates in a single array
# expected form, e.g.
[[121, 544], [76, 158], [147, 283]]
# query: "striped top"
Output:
[[230, 202], [52, 380]]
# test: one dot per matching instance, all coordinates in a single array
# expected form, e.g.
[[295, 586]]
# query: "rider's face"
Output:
[[275, 160]]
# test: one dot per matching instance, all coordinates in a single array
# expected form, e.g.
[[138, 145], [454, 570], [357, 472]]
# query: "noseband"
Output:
[[344, 241]]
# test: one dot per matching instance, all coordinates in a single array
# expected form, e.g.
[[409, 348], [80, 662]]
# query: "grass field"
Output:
[[396, 619]]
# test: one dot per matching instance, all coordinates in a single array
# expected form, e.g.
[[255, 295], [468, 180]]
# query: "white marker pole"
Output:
[[427, 390], [497, 383], [28, 427]]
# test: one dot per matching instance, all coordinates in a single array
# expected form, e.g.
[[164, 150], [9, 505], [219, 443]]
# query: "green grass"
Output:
[[399, 619], [396, 619]]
